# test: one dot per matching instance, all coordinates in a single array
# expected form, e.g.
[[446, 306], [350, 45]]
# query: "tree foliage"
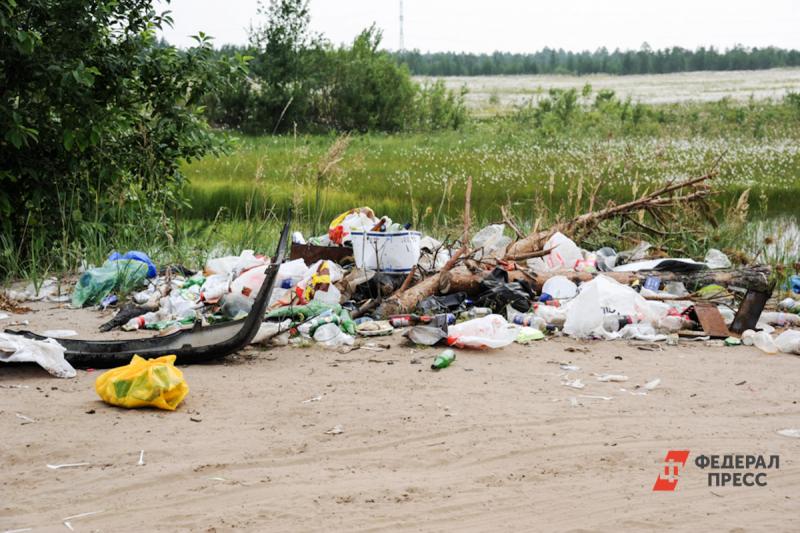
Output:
[[622, 62], [299, 81], [95, 112]]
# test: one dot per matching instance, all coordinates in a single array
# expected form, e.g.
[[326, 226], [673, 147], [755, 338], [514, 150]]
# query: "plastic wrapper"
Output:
[[114, 276], [491, 331], [144, 383]]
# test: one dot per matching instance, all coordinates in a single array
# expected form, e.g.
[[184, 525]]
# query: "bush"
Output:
[[95, 115], [300, 82]]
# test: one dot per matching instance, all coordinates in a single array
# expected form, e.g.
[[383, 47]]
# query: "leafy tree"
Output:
[[95, 113]]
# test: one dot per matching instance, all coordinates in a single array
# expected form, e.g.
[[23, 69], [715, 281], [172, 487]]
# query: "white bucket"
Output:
[[391, 251]]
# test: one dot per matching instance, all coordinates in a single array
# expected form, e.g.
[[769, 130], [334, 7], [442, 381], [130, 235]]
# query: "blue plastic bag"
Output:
[[136, 256], [794, 283]]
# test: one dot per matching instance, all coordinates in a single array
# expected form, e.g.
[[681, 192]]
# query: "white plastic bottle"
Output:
[[141, 321]]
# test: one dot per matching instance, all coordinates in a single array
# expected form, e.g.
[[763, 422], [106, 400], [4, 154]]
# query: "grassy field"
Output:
[[538, 161]]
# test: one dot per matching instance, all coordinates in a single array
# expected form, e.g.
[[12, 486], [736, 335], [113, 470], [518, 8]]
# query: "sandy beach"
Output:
[[494, 442]]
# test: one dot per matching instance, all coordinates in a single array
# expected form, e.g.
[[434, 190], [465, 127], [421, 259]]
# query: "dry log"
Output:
[[660, 198], [462, 279]]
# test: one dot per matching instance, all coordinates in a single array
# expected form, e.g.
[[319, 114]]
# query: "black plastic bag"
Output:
[[497, 293]]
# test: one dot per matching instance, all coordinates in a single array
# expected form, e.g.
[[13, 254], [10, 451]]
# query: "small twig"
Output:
[[509, 221]]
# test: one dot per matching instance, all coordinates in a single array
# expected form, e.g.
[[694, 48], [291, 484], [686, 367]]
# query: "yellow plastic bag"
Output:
[[144, 383]]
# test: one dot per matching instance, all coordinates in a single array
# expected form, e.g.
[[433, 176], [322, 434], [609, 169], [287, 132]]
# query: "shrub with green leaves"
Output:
[[95, 114]]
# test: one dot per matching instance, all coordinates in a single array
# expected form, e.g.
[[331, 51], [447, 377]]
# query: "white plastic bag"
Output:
[[764, 342], [716, 259], [47, 353], [564, 255], [491, 331], [788, 341], [604, 295], [331, 336]]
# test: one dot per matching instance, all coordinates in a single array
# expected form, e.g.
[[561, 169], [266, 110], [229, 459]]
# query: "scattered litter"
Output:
[[59, 333], [4, 316], [335, 430], [597, 397], [314, 399], [47, 353], [611, 377], [569, 368], [73, 517], [67, 465], [650, 385], [574, 384], [793, 433], [740, 383], [25, 419], [574, 401], [141, 459]]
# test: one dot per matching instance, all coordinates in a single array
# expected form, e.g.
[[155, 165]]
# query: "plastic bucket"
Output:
[[388, 251]]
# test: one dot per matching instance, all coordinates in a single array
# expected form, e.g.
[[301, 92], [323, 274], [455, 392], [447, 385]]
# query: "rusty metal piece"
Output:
[[749, 311], [711, 320], [311, 253]]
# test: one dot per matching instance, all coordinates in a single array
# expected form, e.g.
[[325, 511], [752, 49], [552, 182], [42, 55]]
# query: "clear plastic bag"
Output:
[[788, 341], [492, 331]]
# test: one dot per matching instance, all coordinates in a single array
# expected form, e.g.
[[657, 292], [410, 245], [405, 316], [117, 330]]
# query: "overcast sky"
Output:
[[517, 25]]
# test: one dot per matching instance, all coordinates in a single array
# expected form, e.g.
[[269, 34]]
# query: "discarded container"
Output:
[[443, 360], [780, 319], [331, 336], [386, 251], [527, 320], [144, 383], [476, 312], [560, 288]]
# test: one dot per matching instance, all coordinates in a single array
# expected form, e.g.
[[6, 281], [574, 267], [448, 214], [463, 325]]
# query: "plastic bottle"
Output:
[[476, 312], [311, 326], [141, 321], [443, 360], [613, 322], [528, 320], [780, 319], [789, 305], [346, 323]]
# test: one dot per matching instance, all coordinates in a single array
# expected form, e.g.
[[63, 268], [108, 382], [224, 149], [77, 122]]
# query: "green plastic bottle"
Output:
[[347, 325], [443, 360]]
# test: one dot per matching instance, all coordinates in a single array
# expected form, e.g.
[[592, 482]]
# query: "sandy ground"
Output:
[[493, 442]]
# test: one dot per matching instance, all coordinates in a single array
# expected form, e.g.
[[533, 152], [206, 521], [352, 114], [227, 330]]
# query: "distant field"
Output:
[[540, 168], [507, 91]]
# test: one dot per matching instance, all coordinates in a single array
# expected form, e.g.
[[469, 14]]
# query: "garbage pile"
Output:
[[368, 276]]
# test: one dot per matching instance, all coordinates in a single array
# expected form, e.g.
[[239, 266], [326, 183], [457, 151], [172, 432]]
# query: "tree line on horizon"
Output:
[[558, 61]]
